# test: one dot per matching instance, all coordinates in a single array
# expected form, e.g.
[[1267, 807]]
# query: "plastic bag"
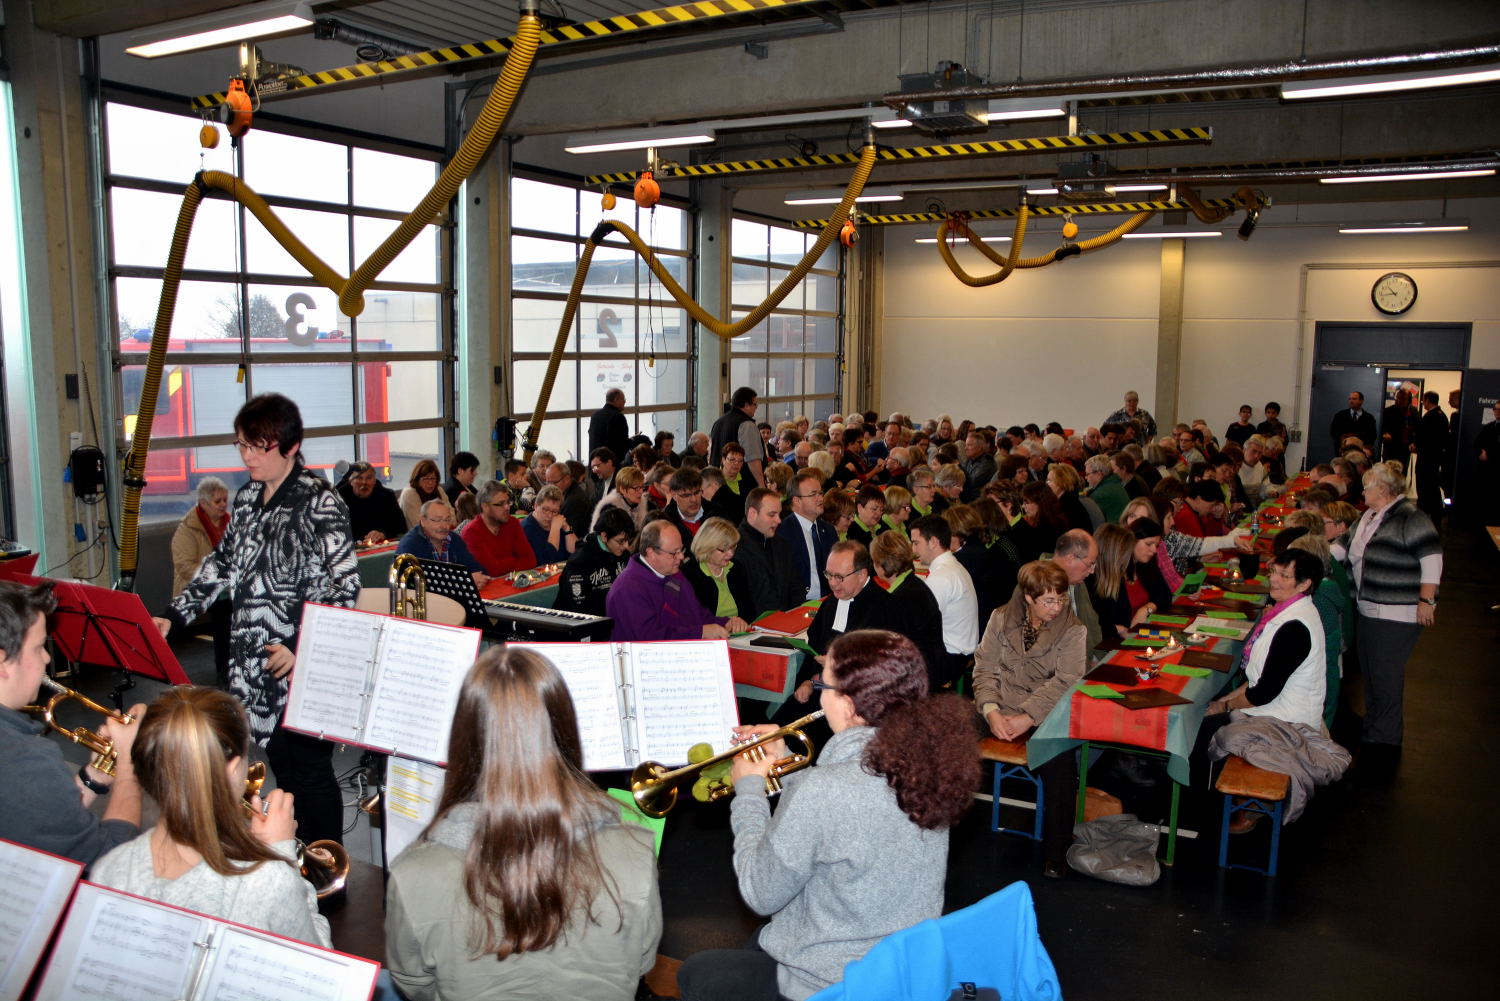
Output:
[[1119, 849]]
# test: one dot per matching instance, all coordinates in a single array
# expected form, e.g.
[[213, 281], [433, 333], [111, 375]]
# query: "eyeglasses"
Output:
[[1281, 574], [1052, 602], [819, 685], [671, 552], [805, 496], [245, 446], [839, 578]]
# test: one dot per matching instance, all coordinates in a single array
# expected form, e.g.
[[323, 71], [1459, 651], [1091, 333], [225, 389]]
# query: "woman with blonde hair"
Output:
[[629, 495], [421, 488], [525, 885], [718, 582], [205, 853], [897, 510]]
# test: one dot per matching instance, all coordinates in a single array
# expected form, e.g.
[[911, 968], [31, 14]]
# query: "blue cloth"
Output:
[[545, 551], [993, 943], [824, 537], [416, 543]]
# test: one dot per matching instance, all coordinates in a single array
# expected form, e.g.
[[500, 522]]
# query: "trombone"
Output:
[[655, 788], [324, 864], [105, 755]]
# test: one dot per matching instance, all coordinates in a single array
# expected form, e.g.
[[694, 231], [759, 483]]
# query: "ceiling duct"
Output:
[[370, 46], [940, 115]]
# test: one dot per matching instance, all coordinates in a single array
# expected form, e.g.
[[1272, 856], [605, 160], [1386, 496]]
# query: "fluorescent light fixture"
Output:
[[1415, 226], [891, 123], [1041, 191], [225, 27], [1136, 187], [1172, 234], [832, 196], [1022, 108], [1459, 76], [983, 239], [1431, 175], [609, 142]]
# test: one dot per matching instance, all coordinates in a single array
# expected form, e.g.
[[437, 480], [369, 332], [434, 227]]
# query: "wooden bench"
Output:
[[1258, 791], [1009, 757]]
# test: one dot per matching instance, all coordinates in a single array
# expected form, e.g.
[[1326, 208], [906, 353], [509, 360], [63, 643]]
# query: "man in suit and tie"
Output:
[[1431, 447], [1356, 421], [808, 537]]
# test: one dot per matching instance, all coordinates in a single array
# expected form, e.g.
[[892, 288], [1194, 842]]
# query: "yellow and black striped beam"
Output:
[[902, 218], [455, 56], [991, 147]]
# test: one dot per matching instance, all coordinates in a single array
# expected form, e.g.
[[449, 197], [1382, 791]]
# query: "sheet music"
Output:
[[116, 948], [34, 889], [422, 669], [684, 695], [334, 652], [592, 676], [252, 967], [412, 791]]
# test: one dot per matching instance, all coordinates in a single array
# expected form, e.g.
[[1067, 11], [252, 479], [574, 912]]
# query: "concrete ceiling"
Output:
[[849, 53]]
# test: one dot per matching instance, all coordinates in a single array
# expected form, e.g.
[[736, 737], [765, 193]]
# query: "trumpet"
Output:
[[324, 864], [655, 788], [105, 755]]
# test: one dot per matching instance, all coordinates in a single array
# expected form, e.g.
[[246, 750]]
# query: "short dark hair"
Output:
[[685, 478], [857, 552], [613, 521], [615, 394], [270, 417], [731, 447], [1205, 490], [756, 497], [462, 461], [935, 527], [1273, 405], [20, 607], [1431, 397], [514, 465], [1305, 566], [742, 398], [604, 454], [867, 493]]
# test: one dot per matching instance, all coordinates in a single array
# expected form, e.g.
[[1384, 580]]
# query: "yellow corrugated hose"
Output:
[[1013, 260], [350, 291], [707, 320]]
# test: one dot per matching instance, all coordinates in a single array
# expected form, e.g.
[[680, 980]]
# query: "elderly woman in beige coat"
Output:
[[1033, 651], [197, 534]]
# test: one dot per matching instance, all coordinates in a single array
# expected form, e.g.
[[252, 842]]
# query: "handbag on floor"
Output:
[[1119, 849]]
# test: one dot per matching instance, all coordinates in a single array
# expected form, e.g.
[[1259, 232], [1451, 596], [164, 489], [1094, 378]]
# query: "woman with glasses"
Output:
[[1033, 651], [596, 564], [288, 543], [717, 580], [628, 495], [858, 846], [422, 487]]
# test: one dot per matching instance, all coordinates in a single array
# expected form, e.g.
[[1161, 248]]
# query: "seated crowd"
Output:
[[936, 551]]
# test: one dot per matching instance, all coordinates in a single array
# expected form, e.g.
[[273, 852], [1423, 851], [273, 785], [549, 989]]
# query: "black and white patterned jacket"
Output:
[[273, 558]]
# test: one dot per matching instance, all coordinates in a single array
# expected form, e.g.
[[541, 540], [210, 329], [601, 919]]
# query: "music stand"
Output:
[[105, 628], [456, 581], [18, 567]]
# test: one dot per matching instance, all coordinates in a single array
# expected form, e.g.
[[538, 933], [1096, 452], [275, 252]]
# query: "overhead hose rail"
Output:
[[1014, 260], [707, 320], [350, 291]]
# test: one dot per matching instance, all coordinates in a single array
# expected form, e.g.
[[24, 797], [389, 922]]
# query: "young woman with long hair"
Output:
[[205, 852], [525, 884], [858, 846], [1127, 587]]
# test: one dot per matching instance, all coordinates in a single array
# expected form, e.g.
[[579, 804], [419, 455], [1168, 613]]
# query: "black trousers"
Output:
[[747, 974], [303, 766], [1060, 792]]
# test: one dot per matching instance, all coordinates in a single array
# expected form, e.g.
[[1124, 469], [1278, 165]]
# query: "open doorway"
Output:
[[1431, 430]]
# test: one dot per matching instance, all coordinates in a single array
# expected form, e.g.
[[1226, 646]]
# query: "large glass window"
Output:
[[792, 357], [249, 319], [628, 333]]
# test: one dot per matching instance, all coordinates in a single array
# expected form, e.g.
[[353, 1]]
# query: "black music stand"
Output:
[[456, 581], [112, 629]]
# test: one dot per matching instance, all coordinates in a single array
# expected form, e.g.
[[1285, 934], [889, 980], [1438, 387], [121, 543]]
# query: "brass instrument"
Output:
[[655, 788], [103, 748], [324, 864], [406, 571]]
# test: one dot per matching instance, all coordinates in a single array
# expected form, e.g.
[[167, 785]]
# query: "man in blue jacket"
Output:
[[433, 538]]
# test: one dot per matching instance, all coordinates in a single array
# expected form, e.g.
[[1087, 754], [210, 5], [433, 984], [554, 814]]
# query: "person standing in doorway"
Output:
[[1431, 449]]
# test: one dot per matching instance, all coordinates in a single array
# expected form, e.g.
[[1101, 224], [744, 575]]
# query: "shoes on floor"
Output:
[[1244, 822], [1054, 870]]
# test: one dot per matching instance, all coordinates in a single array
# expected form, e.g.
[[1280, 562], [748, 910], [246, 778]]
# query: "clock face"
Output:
[[1394, 293]]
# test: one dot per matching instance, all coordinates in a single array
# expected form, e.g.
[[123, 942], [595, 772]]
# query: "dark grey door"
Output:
[[1332, 384]]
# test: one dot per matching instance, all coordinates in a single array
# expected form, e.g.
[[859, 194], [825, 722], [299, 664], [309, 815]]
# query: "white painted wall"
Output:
[[1064, 342]]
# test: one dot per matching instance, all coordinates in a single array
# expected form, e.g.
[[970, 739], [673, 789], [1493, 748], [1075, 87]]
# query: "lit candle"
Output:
[[1150, 653]]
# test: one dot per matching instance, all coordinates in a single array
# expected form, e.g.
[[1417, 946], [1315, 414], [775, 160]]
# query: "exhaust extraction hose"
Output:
[[716, 326], [1014, 260], [350, 291]]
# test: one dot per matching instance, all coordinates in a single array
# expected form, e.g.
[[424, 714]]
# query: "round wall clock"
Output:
[[1394, 293]]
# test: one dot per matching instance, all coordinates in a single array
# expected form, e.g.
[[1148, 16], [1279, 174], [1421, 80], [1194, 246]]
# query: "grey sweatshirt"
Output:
[[839, 865]]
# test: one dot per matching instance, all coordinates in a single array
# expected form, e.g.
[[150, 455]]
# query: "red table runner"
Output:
[[503, 590], [1105, 719], [758, 668]]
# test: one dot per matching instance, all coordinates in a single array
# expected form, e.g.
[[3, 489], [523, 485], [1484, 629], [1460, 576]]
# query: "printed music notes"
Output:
[[34, 889], [117, 947], [378, 681], [646, 701]]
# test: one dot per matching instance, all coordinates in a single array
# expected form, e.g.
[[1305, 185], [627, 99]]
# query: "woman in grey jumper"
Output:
[[858, 846]]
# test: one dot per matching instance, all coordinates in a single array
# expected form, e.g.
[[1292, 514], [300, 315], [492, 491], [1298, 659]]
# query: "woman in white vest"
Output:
[[1283, 659]]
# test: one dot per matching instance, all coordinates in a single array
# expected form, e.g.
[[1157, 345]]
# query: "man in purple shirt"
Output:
[[650, 600]]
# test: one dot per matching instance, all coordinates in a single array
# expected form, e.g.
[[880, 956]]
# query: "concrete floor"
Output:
[[1368, 902]]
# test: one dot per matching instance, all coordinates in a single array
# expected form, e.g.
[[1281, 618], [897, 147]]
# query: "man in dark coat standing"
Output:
[[1355, 420], [1397, 428], [1431, 448], [608, 427]]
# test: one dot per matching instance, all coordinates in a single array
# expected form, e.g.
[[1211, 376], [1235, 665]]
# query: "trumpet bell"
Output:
[[324, 864], [651, 790]]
